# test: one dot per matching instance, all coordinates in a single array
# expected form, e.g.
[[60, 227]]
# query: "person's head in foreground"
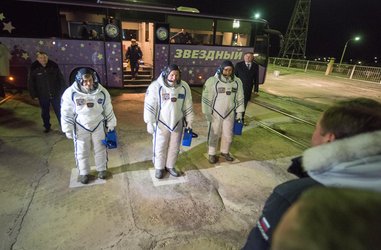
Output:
[[331, 219], [347, 118]]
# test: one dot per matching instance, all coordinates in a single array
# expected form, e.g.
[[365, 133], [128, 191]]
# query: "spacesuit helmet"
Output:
[[167, 71], [223, 65], [85, 73]]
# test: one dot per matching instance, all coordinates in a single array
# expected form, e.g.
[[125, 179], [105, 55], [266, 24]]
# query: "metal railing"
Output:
[[357, 72]]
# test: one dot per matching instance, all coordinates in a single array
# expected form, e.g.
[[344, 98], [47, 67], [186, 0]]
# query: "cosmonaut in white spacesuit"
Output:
[[222, 102], [167, 105], [86, 114]]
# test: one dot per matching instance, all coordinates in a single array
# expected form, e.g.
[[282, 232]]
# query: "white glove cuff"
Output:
[[69, 135], [150, 128], [189, 124]]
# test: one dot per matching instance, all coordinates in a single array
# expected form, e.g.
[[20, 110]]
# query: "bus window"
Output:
[[190, 30], [76, 24], [233, 33], [181, 36]]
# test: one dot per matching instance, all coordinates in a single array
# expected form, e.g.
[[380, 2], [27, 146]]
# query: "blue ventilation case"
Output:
[[187, 138], [111, 140], [237, 129]]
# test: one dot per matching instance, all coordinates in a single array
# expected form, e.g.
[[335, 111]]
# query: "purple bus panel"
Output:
[[197, 63], [161, 58], [68, 54]]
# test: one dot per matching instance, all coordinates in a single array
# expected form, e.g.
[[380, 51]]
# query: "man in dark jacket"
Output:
[[345, 152], [247, 71], [46, 83], [134, 54]]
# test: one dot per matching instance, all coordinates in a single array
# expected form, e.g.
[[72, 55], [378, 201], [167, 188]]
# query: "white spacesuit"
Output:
[[222, 98], [167, 103], [84, 115]]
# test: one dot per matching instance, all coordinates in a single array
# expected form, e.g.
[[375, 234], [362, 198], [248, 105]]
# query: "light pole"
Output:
[[345, 47]]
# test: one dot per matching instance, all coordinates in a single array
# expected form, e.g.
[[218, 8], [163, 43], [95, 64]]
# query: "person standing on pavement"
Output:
[[345, 152], [5, 56], [247, 71], [134, 54], [87, 114], [46, 83], [222, 103], [167, 105]]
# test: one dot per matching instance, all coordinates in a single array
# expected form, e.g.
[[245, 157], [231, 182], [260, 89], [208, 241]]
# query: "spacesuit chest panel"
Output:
[[85, 103], [171, 104], [172, 96], [224, 100]]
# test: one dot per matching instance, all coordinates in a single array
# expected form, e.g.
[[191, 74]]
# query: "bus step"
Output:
[[135, 85]]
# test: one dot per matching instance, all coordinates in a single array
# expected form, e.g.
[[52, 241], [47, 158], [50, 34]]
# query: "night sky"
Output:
[[332, 23]]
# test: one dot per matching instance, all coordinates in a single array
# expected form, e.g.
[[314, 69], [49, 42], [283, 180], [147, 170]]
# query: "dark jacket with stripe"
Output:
[[46, 82]]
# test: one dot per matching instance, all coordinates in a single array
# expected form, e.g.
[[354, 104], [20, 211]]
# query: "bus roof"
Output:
[[165, 9]]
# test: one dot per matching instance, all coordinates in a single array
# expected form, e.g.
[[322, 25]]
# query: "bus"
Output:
[[197, 42]]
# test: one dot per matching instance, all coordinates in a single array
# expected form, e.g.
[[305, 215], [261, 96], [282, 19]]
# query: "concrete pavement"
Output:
[[209, 207]]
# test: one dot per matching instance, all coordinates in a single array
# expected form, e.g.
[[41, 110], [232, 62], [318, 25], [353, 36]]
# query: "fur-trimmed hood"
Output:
[[350, 162]]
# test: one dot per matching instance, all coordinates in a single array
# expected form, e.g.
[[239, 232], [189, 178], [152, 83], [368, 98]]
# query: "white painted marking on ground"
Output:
[[74, 182], [221, 161], [167, 179]]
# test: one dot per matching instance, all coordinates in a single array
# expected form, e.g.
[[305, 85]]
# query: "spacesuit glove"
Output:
[[238, 116], [109, 129], [69, 135], [208, 117], [151, 128]]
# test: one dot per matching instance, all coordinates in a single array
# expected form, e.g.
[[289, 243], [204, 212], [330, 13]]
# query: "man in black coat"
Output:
[[134, 54], [46, 82], [247, 71]]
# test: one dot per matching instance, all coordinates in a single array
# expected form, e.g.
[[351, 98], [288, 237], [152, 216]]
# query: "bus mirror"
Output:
[[276, 33]]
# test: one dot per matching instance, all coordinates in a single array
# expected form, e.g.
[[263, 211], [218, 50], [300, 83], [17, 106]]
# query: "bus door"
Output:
[[142, 32], [261, 51]]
